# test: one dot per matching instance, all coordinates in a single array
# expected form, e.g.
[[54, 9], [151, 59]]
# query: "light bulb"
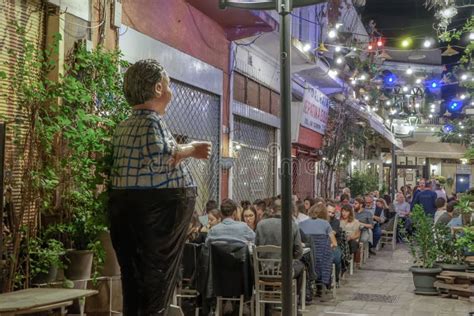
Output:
[[388, 103], [363, 77], [405, 89], [471, 36], [432, 110], [332, 33], [409, 71], [339, 60], [418, 81], [366, 98], [337, 48], [460, 135], [430, 116], [432, 129], [427, 43], [417, 105], [464, 77], [306, 47], [463, 96], [338, 25], [405, 43]]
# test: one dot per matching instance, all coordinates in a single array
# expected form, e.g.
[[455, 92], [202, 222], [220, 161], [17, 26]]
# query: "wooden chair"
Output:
[[268, 278], [389, 236]]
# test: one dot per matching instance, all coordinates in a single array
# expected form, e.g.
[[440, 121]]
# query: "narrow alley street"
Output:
[[384, 286]]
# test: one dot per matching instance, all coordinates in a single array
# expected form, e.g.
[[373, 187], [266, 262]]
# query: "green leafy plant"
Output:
[[361, 183], [466, 240], [44, 255], [446, 243], [67, 152], [421, 243]]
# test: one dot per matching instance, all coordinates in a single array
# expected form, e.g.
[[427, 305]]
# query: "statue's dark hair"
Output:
[[140, 80]]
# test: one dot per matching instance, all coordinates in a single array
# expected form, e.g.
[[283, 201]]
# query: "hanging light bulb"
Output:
[[338, 25], [405, 89], [337, 49], [417, 105], [464, 77], [306, 47], [339, 60], [418, 81], [332, 33], [370, 47], [388, 102], [363, 77], [430, 116], [463, 96], [409, 71], [379, 42], [427, 43], [432, 110], [471, 36]]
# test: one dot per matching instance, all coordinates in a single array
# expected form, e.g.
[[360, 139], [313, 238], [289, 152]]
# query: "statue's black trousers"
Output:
[[148, 230]]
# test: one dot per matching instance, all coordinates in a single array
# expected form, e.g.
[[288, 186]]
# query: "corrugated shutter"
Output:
[[27, 14]]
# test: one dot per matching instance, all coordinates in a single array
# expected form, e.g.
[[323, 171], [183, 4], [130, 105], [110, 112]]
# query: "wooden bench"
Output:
[[41, 299]]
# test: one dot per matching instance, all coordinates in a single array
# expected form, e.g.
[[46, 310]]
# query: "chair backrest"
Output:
[[190, 258], [267, 263], [323, 257], [230, 268], [395, 224]]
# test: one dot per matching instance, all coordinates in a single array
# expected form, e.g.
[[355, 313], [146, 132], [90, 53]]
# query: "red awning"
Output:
[[237, 23]]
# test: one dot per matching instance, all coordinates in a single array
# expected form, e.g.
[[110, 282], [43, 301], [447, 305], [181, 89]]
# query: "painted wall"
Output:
[[180, 25]]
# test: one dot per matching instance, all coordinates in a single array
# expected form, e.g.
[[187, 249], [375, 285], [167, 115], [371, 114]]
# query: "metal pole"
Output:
[[394, 173], [284, 9]]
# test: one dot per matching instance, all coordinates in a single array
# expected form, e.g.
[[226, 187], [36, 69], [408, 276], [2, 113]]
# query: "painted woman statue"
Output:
[[153, 194]]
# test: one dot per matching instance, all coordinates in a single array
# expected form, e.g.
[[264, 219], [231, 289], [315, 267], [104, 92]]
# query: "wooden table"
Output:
[[40, 299]]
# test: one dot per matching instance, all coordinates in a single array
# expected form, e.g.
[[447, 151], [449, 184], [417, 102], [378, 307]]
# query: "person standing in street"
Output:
[[426, 198], [152, 195]]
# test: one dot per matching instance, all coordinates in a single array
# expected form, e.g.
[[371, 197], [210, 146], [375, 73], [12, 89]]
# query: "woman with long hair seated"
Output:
[[351, 226], [249, 216]]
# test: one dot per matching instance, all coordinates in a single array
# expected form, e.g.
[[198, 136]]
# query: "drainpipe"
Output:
[[232, 58]]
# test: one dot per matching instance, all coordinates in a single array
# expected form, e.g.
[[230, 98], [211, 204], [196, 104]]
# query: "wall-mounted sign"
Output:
[[315, 110]]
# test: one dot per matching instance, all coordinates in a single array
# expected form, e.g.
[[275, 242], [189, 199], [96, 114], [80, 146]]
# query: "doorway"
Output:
[[462, 182]]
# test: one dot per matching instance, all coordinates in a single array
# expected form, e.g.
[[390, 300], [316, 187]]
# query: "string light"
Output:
[[388, 102], [363, 77], [418, 81], [366, 98], [409, 71], [464, 77], [307, 47], [417, 105], [337, 48], [427, 43], [471, 36], [332, 33], [405, 89], [463, 96], [339, 60]]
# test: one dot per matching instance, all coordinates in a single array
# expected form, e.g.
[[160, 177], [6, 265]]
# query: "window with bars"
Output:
[[194, 114], [254, 168]]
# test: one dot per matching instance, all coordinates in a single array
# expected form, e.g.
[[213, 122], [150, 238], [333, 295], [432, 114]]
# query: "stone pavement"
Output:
[[386, 275]]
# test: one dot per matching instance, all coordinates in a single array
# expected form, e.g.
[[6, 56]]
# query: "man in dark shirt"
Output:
[[427, 199]]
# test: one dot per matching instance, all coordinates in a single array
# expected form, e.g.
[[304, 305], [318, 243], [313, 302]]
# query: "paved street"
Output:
[[387, 274]]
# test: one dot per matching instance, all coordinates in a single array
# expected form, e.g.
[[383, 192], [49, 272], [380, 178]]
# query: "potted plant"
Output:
[[45, 259], [450, 253], [424, 253]]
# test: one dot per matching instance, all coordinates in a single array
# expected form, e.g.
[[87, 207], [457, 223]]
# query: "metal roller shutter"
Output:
[[253, 174], [195, 115]]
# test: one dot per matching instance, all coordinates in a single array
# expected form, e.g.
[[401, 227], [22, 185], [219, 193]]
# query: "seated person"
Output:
[[336, 228], [440, 208], [249, 216], [380, 216], [318, 224], [365, 219], [210, 205], [269, 233], [214, 217], [195, 235], [229, 228], [351, 227], [299, 212], [447, 216]]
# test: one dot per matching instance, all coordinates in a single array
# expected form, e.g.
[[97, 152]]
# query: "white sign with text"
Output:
[[315, 110]]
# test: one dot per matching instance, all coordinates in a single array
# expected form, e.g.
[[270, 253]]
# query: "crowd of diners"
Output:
[[347, 222]]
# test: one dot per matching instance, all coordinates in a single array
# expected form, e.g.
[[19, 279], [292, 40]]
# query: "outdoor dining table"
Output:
[[40, 299]]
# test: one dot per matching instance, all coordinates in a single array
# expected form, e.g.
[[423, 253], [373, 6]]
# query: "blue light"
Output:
[[455, 105], [434, 85], [448, 128], [390, 79]]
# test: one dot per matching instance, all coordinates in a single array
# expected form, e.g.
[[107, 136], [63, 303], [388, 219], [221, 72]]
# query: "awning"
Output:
[[432, 150], [376, 124]]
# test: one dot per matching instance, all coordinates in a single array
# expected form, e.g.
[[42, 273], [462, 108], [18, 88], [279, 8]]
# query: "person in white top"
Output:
[[298, 212]]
